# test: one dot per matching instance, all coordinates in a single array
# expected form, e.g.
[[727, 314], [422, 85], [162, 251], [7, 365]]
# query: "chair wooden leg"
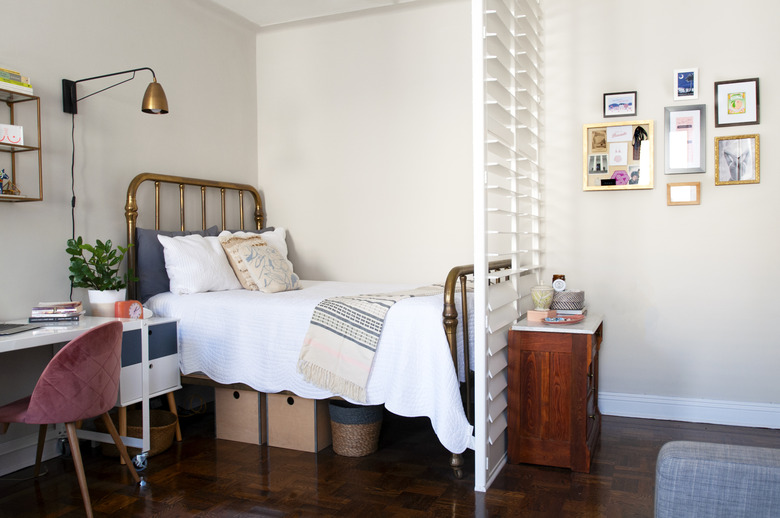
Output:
[[39, 453], [172, 407], [121, 414], [3, 428], [76, 453], [120, 446]]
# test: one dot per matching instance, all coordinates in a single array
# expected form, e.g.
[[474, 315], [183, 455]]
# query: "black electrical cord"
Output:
[[72, 184]]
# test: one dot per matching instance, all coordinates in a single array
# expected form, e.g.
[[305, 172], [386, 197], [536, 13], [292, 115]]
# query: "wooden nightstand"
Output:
[[554, 417]]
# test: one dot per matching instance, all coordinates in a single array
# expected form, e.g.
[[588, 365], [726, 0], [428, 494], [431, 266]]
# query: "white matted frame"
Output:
[[686, 84], [736, 102], [684, 138]]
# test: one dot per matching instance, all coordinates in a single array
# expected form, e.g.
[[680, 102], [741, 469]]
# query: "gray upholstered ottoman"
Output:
[[717, 480]]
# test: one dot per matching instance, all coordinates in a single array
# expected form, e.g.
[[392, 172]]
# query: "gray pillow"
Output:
[[152, 276]]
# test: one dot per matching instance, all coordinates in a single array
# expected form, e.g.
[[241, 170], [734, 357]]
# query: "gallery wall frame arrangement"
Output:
[[620, 104], [686, 84], [683, 193], [737, 102], [617, 156], [737, 160], [685, 138]]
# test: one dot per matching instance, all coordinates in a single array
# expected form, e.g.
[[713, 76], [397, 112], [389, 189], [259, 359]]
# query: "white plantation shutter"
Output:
[[506, 55]]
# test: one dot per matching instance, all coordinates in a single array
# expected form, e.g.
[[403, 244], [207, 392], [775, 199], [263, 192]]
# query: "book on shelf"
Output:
[[27, 90], [15, 82], [583, 311]]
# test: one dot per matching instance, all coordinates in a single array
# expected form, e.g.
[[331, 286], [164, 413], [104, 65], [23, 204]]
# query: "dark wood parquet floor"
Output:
[[407, 477]]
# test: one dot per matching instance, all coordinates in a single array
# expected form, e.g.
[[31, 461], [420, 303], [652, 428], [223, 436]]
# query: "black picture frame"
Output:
[[620, 104], [737, 102]]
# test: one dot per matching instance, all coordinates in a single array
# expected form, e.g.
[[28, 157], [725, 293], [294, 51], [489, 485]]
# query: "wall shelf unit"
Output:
[[24, 110]]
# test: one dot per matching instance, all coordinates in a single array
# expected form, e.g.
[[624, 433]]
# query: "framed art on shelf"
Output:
[[620, 104], [686, 84], [736, 102], [617, 156], [683, 193], [737, 160], [684, 138]]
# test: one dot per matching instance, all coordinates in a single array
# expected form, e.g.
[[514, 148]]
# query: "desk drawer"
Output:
[[163, 363]]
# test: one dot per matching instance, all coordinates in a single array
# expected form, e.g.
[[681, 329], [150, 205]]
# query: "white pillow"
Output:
[[196, 264]]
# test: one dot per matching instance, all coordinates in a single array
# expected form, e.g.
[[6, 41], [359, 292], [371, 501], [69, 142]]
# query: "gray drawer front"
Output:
[[131, 347], [163, 341]]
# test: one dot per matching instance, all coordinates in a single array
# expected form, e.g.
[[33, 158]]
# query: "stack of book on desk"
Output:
[[57, 313]]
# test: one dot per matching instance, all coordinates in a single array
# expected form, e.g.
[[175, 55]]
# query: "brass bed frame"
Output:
[[254, 208]]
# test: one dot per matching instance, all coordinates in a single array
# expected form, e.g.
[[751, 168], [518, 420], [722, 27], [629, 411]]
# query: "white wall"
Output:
[[364, 127], [204, 60], [688, 292]]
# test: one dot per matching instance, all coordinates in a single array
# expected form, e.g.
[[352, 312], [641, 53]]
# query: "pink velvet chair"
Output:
[[80, 382]]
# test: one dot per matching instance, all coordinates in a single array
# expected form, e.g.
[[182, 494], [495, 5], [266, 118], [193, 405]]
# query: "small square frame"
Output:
[[683, 193], [686, 84], [737, 160], [620, 104], [736, 102]]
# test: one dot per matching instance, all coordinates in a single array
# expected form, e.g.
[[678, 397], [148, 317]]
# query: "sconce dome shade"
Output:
[[154, 99]]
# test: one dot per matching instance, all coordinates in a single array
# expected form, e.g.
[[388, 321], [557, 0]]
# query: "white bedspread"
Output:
[[255, 338]]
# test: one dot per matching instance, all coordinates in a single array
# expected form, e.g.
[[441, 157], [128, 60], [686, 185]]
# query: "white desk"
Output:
[[54, 335]]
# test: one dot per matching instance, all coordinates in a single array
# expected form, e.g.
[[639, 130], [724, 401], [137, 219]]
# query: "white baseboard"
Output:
[[20, 453], [735, 413]]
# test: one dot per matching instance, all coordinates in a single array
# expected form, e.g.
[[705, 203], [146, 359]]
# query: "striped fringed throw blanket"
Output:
[[338, 349]]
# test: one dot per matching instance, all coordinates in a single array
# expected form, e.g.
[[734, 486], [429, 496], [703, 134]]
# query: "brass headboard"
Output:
[[131, 208]]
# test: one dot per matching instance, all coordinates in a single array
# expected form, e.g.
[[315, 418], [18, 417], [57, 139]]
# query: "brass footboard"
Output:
[[460, 275]]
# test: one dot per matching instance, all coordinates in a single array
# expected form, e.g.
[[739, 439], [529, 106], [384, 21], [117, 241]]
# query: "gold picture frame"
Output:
[[737, 160], [617, 156], [683, 193]]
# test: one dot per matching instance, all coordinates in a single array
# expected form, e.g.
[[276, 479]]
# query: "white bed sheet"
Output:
[[243, 336]]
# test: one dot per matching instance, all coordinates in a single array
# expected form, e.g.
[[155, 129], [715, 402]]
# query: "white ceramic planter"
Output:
[[102, 302]]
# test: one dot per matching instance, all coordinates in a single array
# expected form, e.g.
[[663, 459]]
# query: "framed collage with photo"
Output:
[[617, 156]]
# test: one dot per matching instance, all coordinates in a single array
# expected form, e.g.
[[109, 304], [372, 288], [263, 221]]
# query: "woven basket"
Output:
[[355, 429], [568, 300], [162, 428]]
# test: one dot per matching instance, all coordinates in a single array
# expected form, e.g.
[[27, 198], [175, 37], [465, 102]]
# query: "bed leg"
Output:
[[456, 463]]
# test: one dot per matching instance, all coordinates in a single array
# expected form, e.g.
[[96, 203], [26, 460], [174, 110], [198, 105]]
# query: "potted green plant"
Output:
[[96, 268]]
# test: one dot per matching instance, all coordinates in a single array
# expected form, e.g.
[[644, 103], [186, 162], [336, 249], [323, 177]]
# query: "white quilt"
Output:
[[243, 336]]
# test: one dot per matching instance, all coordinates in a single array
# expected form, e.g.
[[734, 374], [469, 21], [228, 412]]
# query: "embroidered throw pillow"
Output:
[[237, 246], [270, 271]]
